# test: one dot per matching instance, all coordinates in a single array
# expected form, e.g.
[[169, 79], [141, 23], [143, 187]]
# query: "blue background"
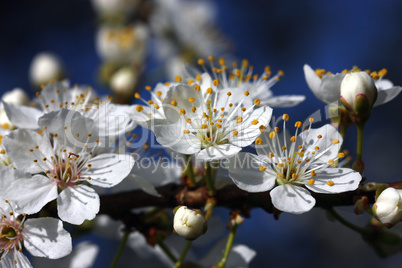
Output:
[[283, 34]]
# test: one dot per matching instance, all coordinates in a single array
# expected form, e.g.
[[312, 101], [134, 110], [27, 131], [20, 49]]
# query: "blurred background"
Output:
[[283, 34]]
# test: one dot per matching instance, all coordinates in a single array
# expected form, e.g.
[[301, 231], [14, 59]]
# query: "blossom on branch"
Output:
[[327, 86], [291, 167], [63, 160]]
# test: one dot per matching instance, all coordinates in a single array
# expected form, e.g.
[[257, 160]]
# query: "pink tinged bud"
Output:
[[388, 206], [189, 223], [358, 93]]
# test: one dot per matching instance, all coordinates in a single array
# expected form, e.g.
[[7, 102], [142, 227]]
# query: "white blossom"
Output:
[[62, 163], [291, 167], [214, 123], [42, 237], [327, 86]]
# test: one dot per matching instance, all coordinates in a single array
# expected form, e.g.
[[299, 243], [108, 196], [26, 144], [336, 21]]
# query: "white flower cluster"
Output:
[[54, 157], [65, 143]]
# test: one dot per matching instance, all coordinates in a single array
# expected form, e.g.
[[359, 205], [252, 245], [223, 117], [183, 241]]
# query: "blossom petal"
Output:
[[137, 182], [73, 129], [107, 170], [9, 175], [114, 119], [30, 195], [15, 259], [328, 145], [330, 89], [240, 256], [78, 203], [248, 130], [344, 179], [82, 256], [244, 169], [18, 144], [284, 101], [46, 237], [172, 136], [387, 94], [217, 152], [22, 116], [292, 199], [313, 81], [181, 94]]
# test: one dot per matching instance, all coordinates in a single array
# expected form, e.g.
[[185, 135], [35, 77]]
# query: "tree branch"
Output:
[[172, 195]]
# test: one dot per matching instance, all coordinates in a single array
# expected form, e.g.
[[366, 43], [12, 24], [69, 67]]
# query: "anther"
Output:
[[258, 141], [254, 122], [310, 182], [330, 183]]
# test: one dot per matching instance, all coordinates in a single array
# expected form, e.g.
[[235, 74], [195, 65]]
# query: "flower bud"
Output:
[[45, 67], [358, 94], [123, 83], [189, 223], [122, 45], [388, 207], [110, 8], [15, 96]]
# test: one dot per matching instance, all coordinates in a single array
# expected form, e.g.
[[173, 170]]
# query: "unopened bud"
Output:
[[388, 206], [15, 96], [45, 67], [361, 205], [122, 45], [123, 82], [189, 223], [358, 94]]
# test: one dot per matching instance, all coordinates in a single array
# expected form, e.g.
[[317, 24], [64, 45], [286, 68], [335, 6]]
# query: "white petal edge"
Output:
[[291, 198], [217, 152], [30, 195], [22, 116], [108, 170], [46, 237], [244, 170], [345, 179], [78, 203]]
